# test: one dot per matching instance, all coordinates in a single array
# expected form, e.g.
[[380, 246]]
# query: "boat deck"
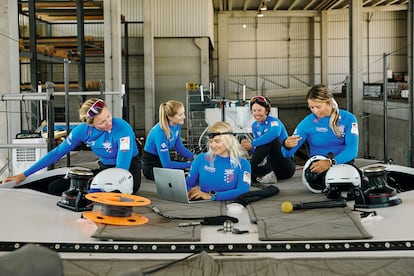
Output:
[[29, 216]]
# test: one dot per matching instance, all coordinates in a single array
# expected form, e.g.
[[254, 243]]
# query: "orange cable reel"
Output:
[[117, 209]]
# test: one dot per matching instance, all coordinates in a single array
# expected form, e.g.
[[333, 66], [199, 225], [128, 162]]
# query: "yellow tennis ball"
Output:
[[286, 207]]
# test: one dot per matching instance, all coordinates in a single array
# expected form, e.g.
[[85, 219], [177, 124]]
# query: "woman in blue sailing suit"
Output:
[[328, 130], [222, 173], [111, 139], [164, 137], [267, 162]]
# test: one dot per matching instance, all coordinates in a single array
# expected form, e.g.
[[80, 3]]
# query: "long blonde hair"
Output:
[[236, 151], [168, 109], [321, 93]]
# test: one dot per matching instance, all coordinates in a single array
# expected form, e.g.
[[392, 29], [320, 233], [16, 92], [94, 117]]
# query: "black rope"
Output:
[[213, 220], [116, 211]]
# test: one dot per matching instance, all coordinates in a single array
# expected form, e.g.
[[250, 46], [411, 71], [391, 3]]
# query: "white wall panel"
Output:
[[243, 67], [338, 47], [242, 49], [267, 51], [276, 31], [300, 29], [132, 10], [387, 34], [181, 18], [275, 66], [271, 49], [299, 48]]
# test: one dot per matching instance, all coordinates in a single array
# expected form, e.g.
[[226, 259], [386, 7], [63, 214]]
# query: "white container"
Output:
[[404, 93], [24, 157]]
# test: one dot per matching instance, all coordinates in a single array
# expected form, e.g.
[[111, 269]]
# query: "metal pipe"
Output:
[[385, 98], [50, 87], [25, 97], [410, 83], [67, 119], [13, 146], [88, 93]]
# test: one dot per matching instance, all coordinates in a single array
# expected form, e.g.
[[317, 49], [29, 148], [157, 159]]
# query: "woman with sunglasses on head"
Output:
[[111, 139], [328, 130], [164, 137], [223, 172], [267, 162]]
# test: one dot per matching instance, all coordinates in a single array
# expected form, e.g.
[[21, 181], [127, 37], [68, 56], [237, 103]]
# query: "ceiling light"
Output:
[[263, 6], [260, 14]]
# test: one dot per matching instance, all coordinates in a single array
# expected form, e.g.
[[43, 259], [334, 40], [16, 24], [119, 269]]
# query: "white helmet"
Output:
[[313, 181], [113, 179], [343, 175]]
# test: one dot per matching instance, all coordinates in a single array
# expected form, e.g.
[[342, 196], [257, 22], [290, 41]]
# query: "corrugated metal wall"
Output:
[[387, 34], [269, 52], [181, 18], [265, 53], [276, 52]]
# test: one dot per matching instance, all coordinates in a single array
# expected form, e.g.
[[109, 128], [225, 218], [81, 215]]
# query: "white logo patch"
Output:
[[124, 143], [247, 178], [354, 129]]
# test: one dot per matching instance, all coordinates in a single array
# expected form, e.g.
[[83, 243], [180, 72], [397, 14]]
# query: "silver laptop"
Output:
[[171, 185]]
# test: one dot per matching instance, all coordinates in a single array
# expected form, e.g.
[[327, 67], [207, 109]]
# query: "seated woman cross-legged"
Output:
[[163, 137], [267, 162], [223, 172]]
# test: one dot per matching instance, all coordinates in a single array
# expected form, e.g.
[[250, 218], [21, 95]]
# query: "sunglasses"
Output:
[[259, 99], [211, 135], [95, 108]]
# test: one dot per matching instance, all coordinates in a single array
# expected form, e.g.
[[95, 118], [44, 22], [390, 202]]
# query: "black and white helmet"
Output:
[[343, 175], [314, 182], [113, 180]]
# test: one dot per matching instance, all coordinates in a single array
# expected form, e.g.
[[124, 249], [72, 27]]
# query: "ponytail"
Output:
[[164, 120], [333, 121], [166, 110]]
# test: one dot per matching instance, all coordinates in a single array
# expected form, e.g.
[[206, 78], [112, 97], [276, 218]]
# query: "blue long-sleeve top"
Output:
[[220, 176], [158, 144], [322, 140], [268, 130], [115, 147]]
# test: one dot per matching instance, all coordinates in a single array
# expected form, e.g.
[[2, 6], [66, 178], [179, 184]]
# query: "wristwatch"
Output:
[[213, 195]]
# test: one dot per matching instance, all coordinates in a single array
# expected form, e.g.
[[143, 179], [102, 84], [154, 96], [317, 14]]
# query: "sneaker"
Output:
[[269, 178]]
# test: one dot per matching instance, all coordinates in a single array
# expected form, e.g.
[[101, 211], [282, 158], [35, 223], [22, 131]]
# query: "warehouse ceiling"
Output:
[[304, 5], [50, 10]]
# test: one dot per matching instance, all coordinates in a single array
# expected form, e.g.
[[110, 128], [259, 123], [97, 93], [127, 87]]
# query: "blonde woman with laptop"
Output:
[[223, 172]]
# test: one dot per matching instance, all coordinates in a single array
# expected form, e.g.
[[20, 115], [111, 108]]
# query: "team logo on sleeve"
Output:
[[69, 139], [164, 147], [124, 143], [274, 123], [354, 128], [247, 178]]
